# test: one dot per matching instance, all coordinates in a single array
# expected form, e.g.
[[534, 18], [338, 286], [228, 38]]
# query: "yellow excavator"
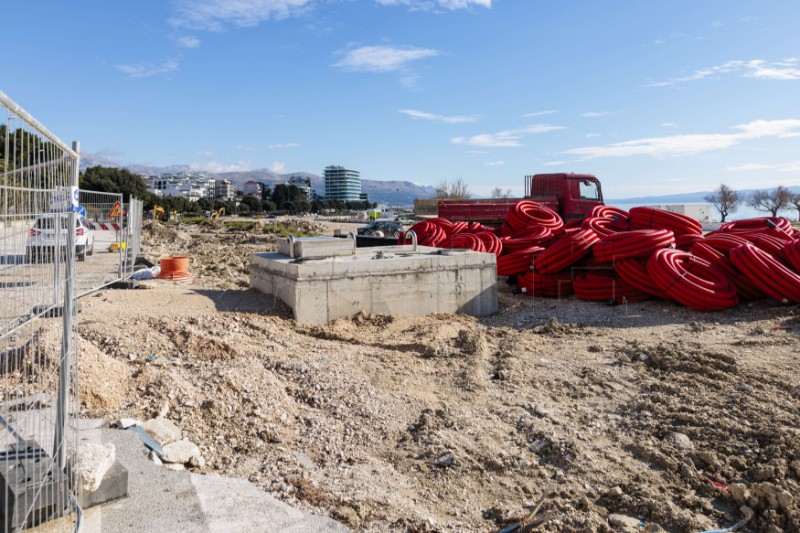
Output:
[[158, 212], [219, 213]]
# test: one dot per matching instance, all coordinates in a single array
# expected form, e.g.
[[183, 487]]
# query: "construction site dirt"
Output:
[[611, 418]]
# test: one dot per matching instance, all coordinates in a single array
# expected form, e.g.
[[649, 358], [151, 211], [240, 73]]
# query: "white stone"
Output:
[[125, 423], [94, 460], [163, 430], [182, 451], [626, 523], [680, 440]]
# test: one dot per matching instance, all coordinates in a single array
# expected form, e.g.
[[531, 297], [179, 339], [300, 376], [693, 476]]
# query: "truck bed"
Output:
[[485, 211]]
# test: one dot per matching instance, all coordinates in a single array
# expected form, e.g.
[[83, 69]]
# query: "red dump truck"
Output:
[[573, 196]]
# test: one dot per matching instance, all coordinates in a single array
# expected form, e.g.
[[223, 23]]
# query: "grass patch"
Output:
[[240, 225]]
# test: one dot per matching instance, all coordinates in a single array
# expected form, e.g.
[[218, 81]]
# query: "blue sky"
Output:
[[652, 97]]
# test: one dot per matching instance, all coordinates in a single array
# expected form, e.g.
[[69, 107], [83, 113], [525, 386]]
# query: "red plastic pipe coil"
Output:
[[638, 243], [692, 281], [767, 273]]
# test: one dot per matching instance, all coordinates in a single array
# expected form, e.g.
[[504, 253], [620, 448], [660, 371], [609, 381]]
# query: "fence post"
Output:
[[59, 446]]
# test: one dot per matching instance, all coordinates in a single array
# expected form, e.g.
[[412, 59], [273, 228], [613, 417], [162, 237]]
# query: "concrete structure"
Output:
[[342, 184], [386, 280], [224, 190], [253, 188], [699, 212]]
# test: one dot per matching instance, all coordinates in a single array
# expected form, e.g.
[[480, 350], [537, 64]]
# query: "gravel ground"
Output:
[[610, 418]]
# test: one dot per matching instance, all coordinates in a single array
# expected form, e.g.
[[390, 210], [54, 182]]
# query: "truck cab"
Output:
[[577, 194]]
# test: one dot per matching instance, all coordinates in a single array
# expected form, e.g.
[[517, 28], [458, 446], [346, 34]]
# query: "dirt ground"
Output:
[[454, 423]]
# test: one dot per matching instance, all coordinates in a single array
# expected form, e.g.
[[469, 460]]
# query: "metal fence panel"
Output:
[[38, 333], [101, 259], [133, 235]]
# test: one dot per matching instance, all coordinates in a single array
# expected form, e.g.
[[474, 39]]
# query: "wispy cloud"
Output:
[[284, 146], [668, 125], [434, 5], [187, 41], [447, 119], [147, 70], [207, 153], [793, 166], [215, 166], [595, 114], [505, 138], [495, 163], [683, 145], [592, 135], [277, 167], [554, 163], [215, 15], [382, 58], [540, 113], [787, 69]]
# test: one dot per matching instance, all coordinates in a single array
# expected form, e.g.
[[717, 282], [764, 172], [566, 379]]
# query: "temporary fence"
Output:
[[38, 328], [132, 235], [100, 254]]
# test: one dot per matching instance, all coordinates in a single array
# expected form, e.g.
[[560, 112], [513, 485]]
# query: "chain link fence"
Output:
[[39, 232]]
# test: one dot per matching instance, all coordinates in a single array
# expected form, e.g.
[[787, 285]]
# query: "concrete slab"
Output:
[[389, 280]]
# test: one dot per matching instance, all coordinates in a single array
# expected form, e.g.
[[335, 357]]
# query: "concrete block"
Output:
[[317, 247], [113, 486], [391, 280], [92, 463]]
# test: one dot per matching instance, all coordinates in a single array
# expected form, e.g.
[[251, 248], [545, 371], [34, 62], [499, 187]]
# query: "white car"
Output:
[[42, 238]]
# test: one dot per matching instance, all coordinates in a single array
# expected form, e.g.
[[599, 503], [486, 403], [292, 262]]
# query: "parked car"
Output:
[[42, 238], [381, 228]]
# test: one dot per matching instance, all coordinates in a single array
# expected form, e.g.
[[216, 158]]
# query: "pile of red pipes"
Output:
[[620, 256]]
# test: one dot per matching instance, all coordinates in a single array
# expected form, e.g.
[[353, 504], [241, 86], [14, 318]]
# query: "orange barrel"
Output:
[[175, 268]]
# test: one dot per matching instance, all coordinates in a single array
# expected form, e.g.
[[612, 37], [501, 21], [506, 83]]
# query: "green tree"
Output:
[[115, 180]]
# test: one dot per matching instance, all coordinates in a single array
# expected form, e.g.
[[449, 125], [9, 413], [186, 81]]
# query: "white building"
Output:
[[253, 188], [187, 185]]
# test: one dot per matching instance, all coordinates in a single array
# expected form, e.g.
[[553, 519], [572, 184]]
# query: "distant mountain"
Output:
[[389, 192]]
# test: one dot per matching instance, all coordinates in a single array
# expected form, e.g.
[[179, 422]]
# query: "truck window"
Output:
[[588, 190]]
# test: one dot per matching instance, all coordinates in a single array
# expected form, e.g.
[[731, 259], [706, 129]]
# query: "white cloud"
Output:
[[596, 114], [540, 113], [244, 148], [683, 145], [592, 135], [793, 166], [382, 58], [215, 15], [207, 153], [215, 166], [277, 167], [554, 163], [284, 146], [505, 138], [668, 125], [495, 163], [187, 41], [787, 69], [432, 5], [146, 70], [451, 119]]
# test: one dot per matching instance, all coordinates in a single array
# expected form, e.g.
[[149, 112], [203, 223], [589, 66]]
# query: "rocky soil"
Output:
[[559, 414]]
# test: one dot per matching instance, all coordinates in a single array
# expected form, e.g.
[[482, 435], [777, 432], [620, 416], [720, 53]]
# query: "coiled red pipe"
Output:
[[606, 211], [546, 285], [602, 226], [745, 288], [652, 218], [692, 281], [600, 288], [428, 234], [757, 225], [767, 273], [634, 272], [637, 243], [526, 213], [685, 242], [518, 262], [566, 250], [467, 241], [724, 242], [491, 242], [792, 252], [767, 242], [525, 239]]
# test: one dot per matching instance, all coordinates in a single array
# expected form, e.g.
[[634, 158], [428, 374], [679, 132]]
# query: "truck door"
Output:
[[584, 194]]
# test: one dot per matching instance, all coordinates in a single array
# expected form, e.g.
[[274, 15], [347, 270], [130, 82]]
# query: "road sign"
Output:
[[115, 211]]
